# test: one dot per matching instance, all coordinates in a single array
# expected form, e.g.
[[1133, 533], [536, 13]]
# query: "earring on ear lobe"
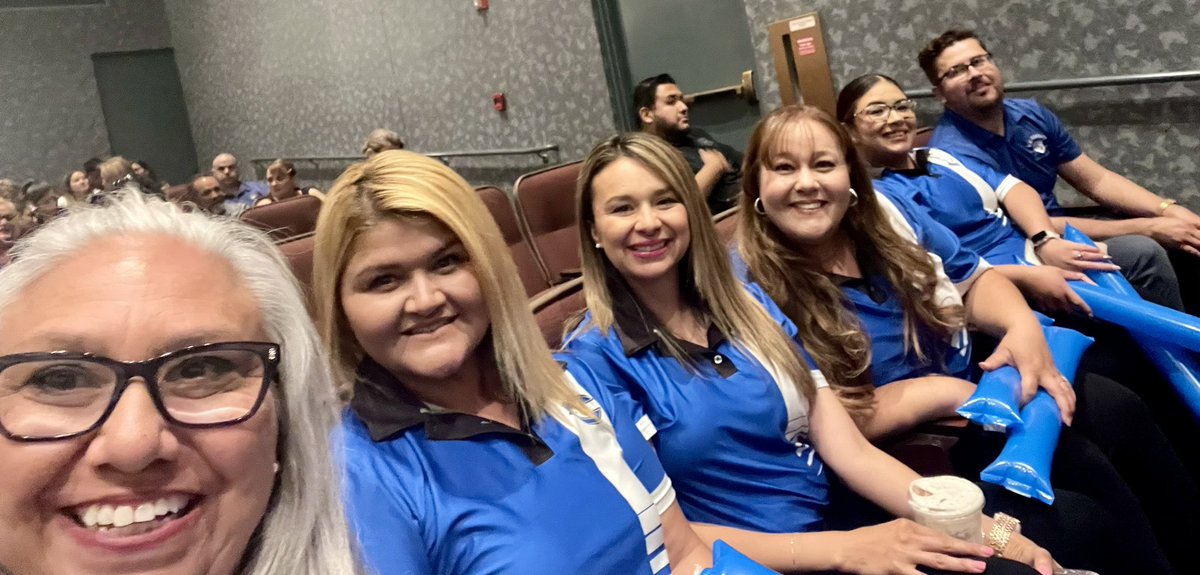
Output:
[[758, 206], [597, 245], [853, 198], [276, 468]]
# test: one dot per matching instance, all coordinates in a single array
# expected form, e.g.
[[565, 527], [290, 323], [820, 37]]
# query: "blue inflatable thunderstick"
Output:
[[727, 561]]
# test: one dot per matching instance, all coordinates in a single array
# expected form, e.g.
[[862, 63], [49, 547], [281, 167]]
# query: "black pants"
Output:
[[1187, 270]]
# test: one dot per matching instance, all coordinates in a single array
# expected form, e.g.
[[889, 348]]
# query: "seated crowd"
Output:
[[401, 412]]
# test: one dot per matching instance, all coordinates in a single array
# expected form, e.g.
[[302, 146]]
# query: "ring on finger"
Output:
[[1078, 255]]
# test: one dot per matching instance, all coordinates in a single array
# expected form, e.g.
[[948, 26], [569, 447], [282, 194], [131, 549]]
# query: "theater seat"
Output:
[[554, 307], [546, 206], [299, 253], [286, 219], [926, 449], [533, 277], [726, 224], [176, 193]]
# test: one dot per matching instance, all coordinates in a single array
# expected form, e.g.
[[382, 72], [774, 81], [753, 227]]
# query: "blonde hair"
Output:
[[114, 169], [399, 184], [706, 277], [827, 324]]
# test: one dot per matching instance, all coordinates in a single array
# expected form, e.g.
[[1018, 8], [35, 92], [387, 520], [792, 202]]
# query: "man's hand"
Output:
[[1175, 233], [715, 160], [1181, 213]]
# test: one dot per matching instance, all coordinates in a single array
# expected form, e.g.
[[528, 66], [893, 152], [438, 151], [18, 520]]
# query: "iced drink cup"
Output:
[[948, 504]]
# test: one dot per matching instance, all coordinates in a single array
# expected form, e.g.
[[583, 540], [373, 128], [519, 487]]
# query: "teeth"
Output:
[[649, 248], [124, 515], [808, 205]]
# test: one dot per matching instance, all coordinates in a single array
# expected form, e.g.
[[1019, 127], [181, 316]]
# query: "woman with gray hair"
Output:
[[175, 416]]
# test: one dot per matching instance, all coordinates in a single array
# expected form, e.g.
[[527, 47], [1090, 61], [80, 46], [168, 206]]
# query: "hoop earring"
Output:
[[758, 206], [853, 198]]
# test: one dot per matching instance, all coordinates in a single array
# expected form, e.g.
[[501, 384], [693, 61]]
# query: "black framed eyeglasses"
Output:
[[878, 112], [49, 396], [957, 70]]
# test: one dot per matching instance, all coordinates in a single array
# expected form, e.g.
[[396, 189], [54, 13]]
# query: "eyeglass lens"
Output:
[[960, 69], [53, 397]]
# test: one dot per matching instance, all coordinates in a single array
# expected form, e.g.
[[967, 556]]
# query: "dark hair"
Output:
[[645, 93], [36, 191], [282, 166], [853, 92], [92, 165], [927, 59]]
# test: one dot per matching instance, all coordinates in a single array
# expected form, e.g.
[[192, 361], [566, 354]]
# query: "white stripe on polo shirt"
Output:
[[598, 440], [646, 427]]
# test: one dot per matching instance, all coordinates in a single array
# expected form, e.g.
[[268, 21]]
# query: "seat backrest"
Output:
[[555, 306], [922, 137], [299, 253], [726, 224], [546, 206], [533, 277], [177, 192], [285, 219]]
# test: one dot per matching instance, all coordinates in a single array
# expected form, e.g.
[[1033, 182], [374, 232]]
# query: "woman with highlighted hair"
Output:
[[469, 449], [748, 430]]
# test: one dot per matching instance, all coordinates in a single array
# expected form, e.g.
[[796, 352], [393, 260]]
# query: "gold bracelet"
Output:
[[1003, 526], [1162, 206]]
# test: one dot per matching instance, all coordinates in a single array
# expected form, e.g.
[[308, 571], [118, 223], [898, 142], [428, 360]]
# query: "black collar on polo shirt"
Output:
[[921, 158], [389, 410], [638, 329]]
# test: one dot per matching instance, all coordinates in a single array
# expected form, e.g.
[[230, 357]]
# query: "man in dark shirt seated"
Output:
[[1027, 140], [660, 110]]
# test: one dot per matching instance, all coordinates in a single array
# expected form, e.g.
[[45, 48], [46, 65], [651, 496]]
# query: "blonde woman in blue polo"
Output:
[[468, 449]]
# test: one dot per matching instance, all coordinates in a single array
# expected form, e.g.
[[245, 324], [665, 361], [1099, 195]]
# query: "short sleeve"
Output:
[[962, 266], [1057, 138], [999, 182], [388, 534], [589, 365]]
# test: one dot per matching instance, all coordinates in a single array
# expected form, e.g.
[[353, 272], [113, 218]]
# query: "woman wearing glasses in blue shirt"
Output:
[[981, 207], [152, 423]]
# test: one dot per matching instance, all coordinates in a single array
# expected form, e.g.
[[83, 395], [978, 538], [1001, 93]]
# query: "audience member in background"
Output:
[[146, 178], [76, 187], [115, 172], [706, 366], [9, 190], [147, 426], [469, 450], [41, 199], [8, 228], [881, 295], [281, 179], [381, 139], [1027, 140], [92, 169], [659, 109], [205, 193], [239, 195]]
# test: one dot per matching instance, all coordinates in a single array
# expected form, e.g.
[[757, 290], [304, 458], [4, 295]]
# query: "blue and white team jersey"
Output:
[[1033, 146], [731, 433], [430, 492], [880, 312], [964, 196]]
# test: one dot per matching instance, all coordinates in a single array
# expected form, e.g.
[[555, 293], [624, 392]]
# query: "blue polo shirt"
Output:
[[1033, 146], [881, 314], [435, 492], [732, 436], [964, 196]]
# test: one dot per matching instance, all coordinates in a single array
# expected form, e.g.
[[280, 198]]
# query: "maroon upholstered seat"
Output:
[[546, 205], [299, 253], [533, 277], [922, 136], [554, 307], [285, 219]]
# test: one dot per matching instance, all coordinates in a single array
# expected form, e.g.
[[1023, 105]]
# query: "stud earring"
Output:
[[597, 245], [276, 468]]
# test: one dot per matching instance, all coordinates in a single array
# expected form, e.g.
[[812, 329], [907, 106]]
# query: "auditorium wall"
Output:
[[50, 116], [1150, 133], [270, 78]]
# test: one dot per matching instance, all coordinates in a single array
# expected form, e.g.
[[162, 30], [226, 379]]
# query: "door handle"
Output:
[[744, 89]]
